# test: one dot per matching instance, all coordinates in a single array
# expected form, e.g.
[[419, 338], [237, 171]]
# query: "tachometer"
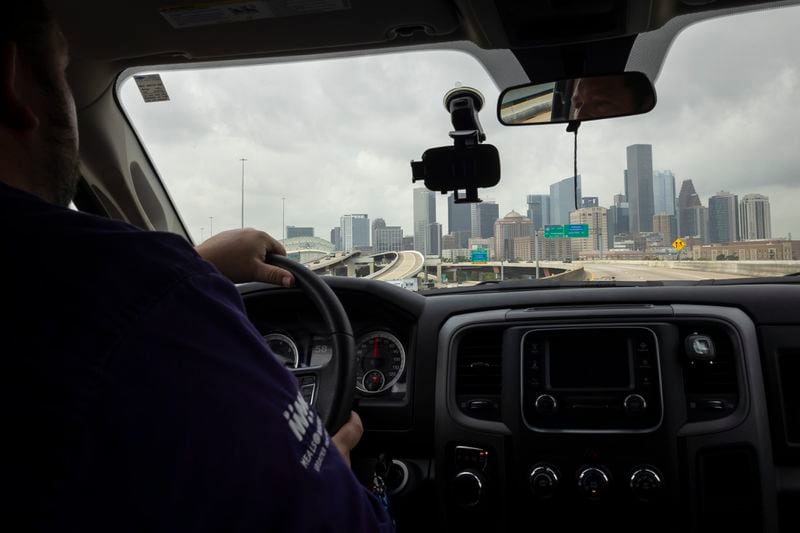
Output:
[[380, 361], [284, 348]]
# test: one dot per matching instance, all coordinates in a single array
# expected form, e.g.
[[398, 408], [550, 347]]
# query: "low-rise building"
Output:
[[765, 250], [455, 255]]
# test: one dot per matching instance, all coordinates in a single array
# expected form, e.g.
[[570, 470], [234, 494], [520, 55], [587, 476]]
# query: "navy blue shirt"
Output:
[[139, 397]]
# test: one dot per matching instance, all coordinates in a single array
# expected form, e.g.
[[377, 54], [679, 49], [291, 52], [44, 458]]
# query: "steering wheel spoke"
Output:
[[308, 379]]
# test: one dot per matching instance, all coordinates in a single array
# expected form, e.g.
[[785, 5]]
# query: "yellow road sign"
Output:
[[678, 244]]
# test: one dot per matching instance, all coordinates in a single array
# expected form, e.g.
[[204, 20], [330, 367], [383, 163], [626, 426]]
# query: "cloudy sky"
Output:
[[336, 136]]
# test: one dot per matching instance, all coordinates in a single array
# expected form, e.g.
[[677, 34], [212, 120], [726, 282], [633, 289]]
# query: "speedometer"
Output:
[[380, 360], [284, 349]]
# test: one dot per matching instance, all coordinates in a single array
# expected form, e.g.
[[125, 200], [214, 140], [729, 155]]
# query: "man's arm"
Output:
[[239, 255], [206, 429]]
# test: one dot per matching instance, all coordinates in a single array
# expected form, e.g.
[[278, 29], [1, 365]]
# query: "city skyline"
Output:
[[688, 200]]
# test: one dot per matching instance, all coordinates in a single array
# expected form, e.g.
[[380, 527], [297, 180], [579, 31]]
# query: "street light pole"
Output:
[[210, 226], [283, 218], [243, 160]]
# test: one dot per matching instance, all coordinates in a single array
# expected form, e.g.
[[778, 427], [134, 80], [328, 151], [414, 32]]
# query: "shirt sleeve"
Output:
[[205, 430]]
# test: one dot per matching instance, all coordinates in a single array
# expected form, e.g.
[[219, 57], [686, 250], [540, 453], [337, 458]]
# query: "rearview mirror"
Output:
[[577, 99]]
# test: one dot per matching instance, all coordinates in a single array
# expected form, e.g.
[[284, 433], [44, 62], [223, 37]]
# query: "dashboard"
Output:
[[671, 408]]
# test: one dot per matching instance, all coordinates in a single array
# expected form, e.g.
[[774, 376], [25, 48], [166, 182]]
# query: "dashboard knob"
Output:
[[543, 481], [546, 404], [700, 347], [646, 483], [468, 487], [634, 404], [593, 482]]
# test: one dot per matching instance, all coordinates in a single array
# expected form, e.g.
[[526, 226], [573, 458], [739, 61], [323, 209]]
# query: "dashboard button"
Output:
[[546, 404], [543, 481], [646, 483], [635, 404], [593, 482], [468, 487]]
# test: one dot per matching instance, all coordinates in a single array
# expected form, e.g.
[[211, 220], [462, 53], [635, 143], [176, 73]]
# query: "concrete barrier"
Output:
[[743, 268], [576, 274]]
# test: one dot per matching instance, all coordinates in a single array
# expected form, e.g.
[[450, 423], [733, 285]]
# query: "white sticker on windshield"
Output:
[[152, 88], [227, 11]]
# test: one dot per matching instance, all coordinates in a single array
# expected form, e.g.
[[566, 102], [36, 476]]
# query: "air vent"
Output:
[[789, 368], [711, 384], [479, 372]]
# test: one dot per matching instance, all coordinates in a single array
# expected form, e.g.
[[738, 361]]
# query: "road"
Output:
[[607, 272], [408, 265]]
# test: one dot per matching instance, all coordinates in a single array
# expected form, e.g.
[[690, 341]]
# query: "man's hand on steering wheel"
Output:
[[239, 255]]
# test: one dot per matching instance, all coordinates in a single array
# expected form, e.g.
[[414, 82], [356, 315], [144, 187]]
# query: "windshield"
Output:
[[317, 153]]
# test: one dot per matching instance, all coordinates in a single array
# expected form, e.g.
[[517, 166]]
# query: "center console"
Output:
[[630, 419]]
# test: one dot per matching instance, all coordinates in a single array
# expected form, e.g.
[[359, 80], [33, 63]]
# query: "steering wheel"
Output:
[[331, 385]]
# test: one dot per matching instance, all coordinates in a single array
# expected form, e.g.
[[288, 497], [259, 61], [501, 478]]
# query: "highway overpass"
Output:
[[406, 265], [388, 266]]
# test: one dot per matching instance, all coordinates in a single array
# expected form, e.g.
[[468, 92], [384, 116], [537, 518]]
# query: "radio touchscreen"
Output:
[[584, 360], [591, 379]]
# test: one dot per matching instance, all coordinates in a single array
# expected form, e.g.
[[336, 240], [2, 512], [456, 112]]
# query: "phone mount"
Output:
[[468, 164]]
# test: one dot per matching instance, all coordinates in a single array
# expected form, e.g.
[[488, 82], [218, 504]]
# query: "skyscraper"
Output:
[[376, 225], [449, 242], [663, 192], [355, 231], [695, 220], [336, 238], [562, 199], [625, 181], [539, 210], [640, 187], [297, 231], [687, 201], [424, 216], [434, 239], [507, 229], [755, 217], [664, 225], [618, 219], [483, 216], [459, 221], [388, 239], [723, 218], [597, 220], [590, 201]]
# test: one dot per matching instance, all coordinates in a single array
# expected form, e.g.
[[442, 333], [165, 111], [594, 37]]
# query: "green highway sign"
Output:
[[571, 231], [480, 255], [577, 231], [554, 232]]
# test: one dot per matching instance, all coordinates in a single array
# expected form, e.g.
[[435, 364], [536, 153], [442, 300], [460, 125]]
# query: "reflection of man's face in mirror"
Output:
[[606, 96]]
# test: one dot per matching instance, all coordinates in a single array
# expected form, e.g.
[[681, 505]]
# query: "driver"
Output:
[[610, 96], [137, 394]]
